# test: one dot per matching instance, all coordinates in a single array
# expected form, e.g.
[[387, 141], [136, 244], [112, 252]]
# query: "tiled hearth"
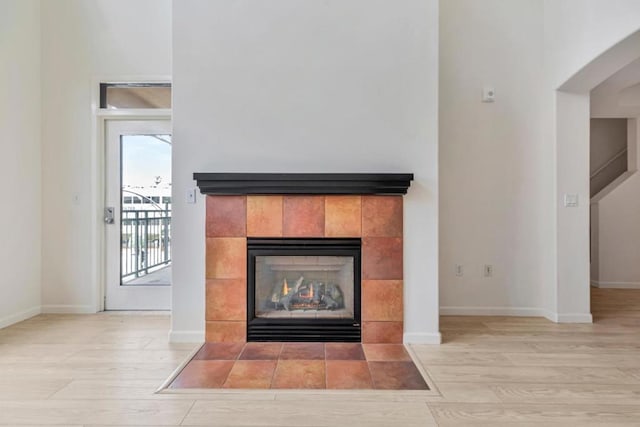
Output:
[[366, 208], [301, 366]]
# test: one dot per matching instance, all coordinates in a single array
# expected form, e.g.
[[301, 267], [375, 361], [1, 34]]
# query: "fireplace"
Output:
[[304, 257], [303, 289]]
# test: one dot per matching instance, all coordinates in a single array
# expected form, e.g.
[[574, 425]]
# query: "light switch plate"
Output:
[[570, 200], [191, 196]]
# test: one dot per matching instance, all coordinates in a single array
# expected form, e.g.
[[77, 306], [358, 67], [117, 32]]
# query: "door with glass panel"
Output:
[[138, 215]]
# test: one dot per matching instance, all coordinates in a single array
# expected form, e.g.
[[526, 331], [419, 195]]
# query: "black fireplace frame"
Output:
[[303, 330]]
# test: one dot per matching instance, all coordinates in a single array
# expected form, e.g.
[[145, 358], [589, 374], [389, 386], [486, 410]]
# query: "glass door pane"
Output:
[[145, 177]]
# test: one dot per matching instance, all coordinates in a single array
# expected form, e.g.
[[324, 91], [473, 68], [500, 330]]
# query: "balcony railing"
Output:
[[145, 241]]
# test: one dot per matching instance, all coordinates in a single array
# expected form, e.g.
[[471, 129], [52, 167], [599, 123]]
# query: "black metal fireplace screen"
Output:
[[303, 289]]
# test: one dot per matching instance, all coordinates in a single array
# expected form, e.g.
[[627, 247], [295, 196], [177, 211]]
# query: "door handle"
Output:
[[109, 215]]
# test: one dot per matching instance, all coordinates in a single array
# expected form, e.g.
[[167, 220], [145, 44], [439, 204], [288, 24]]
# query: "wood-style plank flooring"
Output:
[[91, 370]]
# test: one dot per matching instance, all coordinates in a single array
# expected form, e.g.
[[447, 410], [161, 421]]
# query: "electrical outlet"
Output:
[[459, 269], [488, 270]]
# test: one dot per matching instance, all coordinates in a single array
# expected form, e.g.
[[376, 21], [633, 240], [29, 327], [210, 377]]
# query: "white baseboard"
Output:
[[186, 336], [574, 318], [19, 317], [493, 311], [68, 309], [421, 338], [615, 285], [517, 312]]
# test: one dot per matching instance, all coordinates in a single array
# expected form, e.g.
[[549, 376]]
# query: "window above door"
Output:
[[115, 96]]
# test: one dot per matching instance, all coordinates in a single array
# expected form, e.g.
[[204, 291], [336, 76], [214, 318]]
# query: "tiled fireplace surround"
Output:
[[377, 220]]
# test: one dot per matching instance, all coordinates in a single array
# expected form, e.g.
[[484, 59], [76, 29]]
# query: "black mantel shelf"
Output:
[[303, 183]]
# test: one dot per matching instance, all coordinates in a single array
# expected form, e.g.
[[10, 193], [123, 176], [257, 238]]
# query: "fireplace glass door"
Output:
[[303, 289], [310, 287]]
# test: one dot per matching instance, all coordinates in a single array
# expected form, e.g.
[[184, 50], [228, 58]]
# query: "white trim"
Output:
[[179, 369], [517, 312], [574, 318], [421, 338], [68, 309], [19, 317], [550, 316], [608, 189], [135, 113], [186, 336], [615, 285], [98, 118], [494, 311]]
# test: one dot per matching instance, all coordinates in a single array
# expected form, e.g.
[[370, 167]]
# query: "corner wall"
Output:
[[20, 161], [585, 42], [608, 137], [83, 41], [496, 184], [309, 86], [616, 261]]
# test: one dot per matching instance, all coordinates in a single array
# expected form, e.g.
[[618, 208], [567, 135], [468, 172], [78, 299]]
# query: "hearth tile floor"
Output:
[[256, 365]]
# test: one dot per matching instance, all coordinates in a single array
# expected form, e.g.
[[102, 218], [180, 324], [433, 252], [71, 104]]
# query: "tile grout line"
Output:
[[273, 374]]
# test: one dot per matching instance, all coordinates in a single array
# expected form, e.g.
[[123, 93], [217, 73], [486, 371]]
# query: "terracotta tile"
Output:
[[218, 331], [343, 216], [348, 374], [303, 216], [261, 351], [382, 332], [226, 299], [396, 376], [219, 351], [226, 216], [203, 374], [299, 374], [386, 353], [302, 351], [382, 300], [251, 374], [226, 258], [343, 351], [382, 258], [264, 216], [381, 216]]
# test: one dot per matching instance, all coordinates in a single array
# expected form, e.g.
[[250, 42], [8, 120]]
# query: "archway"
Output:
[[572, 171]]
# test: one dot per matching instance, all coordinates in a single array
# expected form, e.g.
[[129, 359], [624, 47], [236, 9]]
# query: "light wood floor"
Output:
[[103, 370]]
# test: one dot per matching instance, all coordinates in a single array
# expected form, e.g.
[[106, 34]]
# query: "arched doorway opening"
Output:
[[572, 171]]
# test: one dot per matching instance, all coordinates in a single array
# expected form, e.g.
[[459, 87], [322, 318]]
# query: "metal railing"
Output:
[[145, 242]]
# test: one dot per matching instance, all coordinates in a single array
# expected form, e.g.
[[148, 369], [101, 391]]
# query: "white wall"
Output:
[[84, 40], [313, 86], [20, 160], [608, 138], [495, 193], [577, 40], [619, 95], [577, 31], [616, 230], [505, 166]]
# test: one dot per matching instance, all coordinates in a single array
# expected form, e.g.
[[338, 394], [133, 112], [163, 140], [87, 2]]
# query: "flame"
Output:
[[310, 291], [285, 288]]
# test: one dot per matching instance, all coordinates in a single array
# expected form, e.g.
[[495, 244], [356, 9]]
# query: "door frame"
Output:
[[99, 119]]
